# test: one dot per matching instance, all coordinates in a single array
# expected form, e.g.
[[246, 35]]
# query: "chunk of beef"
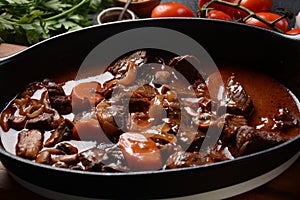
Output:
[[229, 125], [21, 110], [58, 99], [137, 98], [114, 160], [44, 156], [30, 142], [284, 120], [62, 133], [244, 136], [204, 120], [10, 118], [120, 67], [140, 99], [187, 159], [66, 159], [44, 121], [249, 140], [188, 66], [220, 153], [190, 140], [67, 148], [236, 99], [64, 152], [30, 89], [106, 115], [91, 160]]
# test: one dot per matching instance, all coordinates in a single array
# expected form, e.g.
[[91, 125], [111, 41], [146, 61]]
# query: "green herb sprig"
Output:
[[26, 22]]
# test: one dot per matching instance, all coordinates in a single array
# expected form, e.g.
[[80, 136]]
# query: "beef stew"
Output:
[[153, 113]]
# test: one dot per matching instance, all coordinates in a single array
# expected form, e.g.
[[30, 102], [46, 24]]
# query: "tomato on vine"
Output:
[[281, 22], [252, 5], [215, 5], [294, 31], [218, 14], [171, 9], [256, 5]]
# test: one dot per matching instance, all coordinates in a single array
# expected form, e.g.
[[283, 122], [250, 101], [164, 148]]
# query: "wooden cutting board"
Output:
[[9, 49]]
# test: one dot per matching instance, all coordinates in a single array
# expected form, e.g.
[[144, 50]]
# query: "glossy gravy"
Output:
[[268, 95]]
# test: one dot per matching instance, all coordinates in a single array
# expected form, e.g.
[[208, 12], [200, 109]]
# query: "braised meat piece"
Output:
[[10, 119], [187, 159], [44, 121], [190, 141], [44, 157], [140, 99], [111, 120], [284, 120], [236, 100], [120, 67], [65, 160], [229, 124], [188, 66], [31, 88], [30, 142], [67, 148], [58, 99], [64, 153], [62, 133], [250, 140], [91, 160], [243, 138], [220, 153], [114, 160], [32, 110]]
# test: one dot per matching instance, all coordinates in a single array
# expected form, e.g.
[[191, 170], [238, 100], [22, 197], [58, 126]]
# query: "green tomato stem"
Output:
[[66, 12], [249, 12]]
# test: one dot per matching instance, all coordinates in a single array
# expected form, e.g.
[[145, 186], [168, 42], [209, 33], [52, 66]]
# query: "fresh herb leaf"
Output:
[[57, 5], [27, 19], [27, 22]]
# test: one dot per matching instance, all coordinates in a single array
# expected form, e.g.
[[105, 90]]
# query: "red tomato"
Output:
[[217, 14], [171, 9], [253, 5], [217, 6], [140, 152], [232, 12], [268, 16], [294, 31], [257, 5]]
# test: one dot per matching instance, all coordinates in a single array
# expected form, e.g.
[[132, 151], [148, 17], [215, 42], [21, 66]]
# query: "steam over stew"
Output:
[[138, 116]]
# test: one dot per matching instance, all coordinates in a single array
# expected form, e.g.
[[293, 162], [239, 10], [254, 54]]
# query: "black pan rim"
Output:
[[149, 21]]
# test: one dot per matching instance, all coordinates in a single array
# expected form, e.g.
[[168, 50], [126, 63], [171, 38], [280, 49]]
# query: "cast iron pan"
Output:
[[274, 54]]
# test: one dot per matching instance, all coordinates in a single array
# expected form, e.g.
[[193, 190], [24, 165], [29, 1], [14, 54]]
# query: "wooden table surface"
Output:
[[284, 187]]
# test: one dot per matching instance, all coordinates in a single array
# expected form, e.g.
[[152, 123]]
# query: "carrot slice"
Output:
[[140, 152], [86, 94], [87, 129]]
